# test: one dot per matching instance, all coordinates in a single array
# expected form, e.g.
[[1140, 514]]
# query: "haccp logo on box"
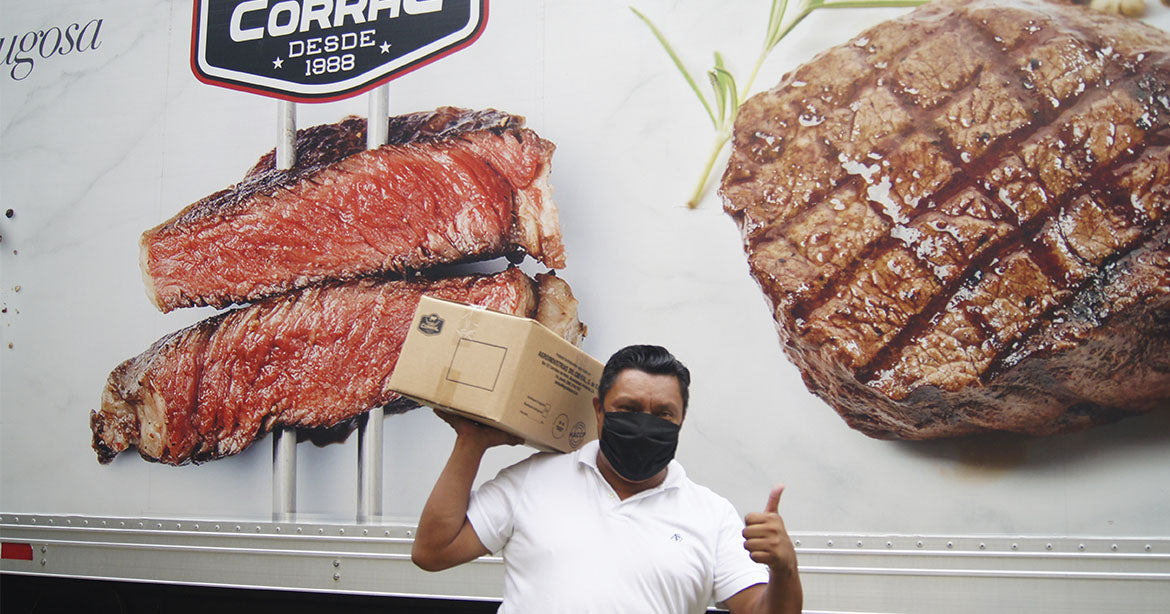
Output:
[[320, 50]]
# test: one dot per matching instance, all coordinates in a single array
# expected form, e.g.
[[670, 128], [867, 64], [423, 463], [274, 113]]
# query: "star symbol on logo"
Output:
[[385, 47], [277, 63]]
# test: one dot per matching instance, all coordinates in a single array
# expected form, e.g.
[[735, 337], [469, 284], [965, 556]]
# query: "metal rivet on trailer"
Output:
[[796, 543], [278, 529], [320, 531], [1080, 546], [1113, 547], [1048, 546], [336, 577], [982, 546], [158, 525], [387, 533], [830, 543], [889, 544], [216, 527], [50, 521], [238, 528], [85, 522], [300, 530], [43, 561], [919, 544], [365, 531], [341, 531], [68, 522], [122, 523], [141, 524], [258, 528], [950, 544], [178, 525], [1015, 546], [44, 549], [196, 527], [1149, 547], [859, 544], [410, 533], [336, 563], [33, 520]]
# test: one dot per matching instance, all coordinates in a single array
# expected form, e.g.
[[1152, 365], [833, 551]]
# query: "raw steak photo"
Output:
[[451, 185], [313, 358], [959, 218]]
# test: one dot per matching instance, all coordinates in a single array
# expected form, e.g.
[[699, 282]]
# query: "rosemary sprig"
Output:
[[726, 97]]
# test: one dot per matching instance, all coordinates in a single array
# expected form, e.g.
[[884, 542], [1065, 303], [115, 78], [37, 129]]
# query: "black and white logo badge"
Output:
[[320, 50], [430, 324]]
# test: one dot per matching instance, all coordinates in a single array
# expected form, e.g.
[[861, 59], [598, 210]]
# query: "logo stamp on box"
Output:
[[560, 425], [430, 324], [577, 435]]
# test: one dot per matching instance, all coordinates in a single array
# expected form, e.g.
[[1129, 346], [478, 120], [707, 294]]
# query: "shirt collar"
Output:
[[587, 455]]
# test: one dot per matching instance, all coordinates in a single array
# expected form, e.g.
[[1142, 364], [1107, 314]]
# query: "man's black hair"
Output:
[[652, 359]]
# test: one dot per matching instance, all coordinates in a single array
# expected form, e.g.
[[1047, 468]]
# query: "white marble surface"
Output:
[[96, 147]]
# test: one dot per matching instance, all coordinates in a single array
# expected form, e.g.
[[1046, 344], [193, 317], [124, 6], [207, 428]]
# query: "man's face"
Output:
[[638, 391]]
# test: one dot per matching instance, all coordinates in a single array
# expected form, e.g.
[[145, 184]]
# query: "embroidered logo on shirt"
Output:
[[676, 538]]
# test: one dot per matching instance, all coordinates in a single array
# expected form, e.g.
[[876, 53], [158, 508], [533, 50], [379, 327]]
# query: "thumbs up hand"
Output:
[[766, 539]]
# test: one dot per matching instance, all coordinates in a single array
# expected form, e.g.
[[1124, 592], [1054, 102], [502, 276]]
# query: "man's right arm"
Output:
[[445, 538]]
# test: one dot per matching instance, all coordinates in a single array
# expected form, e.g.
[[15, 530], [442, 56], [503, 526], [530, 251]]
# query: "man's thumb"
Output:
[[773, 505]]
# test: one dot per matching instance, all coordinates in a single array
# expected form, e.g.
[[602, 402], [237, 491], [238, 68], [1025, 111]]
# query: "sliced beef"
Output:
[[451, 185], [960, 219], [313, 358]]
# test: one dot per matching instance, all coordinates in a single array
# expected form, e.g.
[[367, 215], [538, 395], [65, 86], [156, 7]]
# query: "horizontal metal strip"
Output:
[[240, 550], [241, 528], [336, 541], [988, 573], [208, 534], [956, 553], [338, 532], [811, 569], [310, 525]]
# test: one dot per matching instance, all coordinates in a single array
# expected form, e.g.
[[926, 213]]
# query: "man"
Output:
[[615, 526]]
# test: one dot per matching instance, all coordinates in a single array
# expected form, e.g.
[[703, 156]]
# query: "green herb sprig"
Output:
[[724, 104]]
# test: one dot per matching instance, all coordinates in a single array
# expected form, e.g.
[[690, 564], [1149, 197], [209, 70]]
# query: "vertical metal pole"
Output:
[[378, 117], [286, 134], [369, 499], [284, 439], [284, 473], [369, 496]]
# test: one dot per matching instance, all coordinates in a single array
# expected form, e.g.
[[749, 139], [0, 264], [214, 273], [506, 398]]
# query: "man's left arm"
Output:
[[767, 541]]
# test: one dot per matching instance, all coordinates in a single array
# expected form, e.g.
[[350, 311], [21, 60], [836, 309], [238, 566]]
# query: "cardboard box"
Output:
[[509, 372]]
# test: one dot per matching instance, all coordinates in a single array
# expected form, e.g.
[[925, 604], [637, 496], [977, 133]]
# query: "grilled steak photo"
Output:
[[959, 218], [312, 358], [451, 185]]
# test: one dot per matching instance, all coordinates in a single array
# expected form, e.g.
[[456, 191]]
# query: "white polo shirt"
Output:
[[570, 545]]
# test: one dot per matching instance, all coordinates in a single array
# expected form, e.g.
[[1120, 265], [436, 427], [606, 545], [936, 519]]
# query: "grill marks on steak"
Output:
[[309, 359], [926, 216], [451, 185]]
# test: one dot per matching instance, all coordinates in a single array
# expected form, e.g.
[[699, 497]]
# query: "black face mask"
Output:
[[638, 445]]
